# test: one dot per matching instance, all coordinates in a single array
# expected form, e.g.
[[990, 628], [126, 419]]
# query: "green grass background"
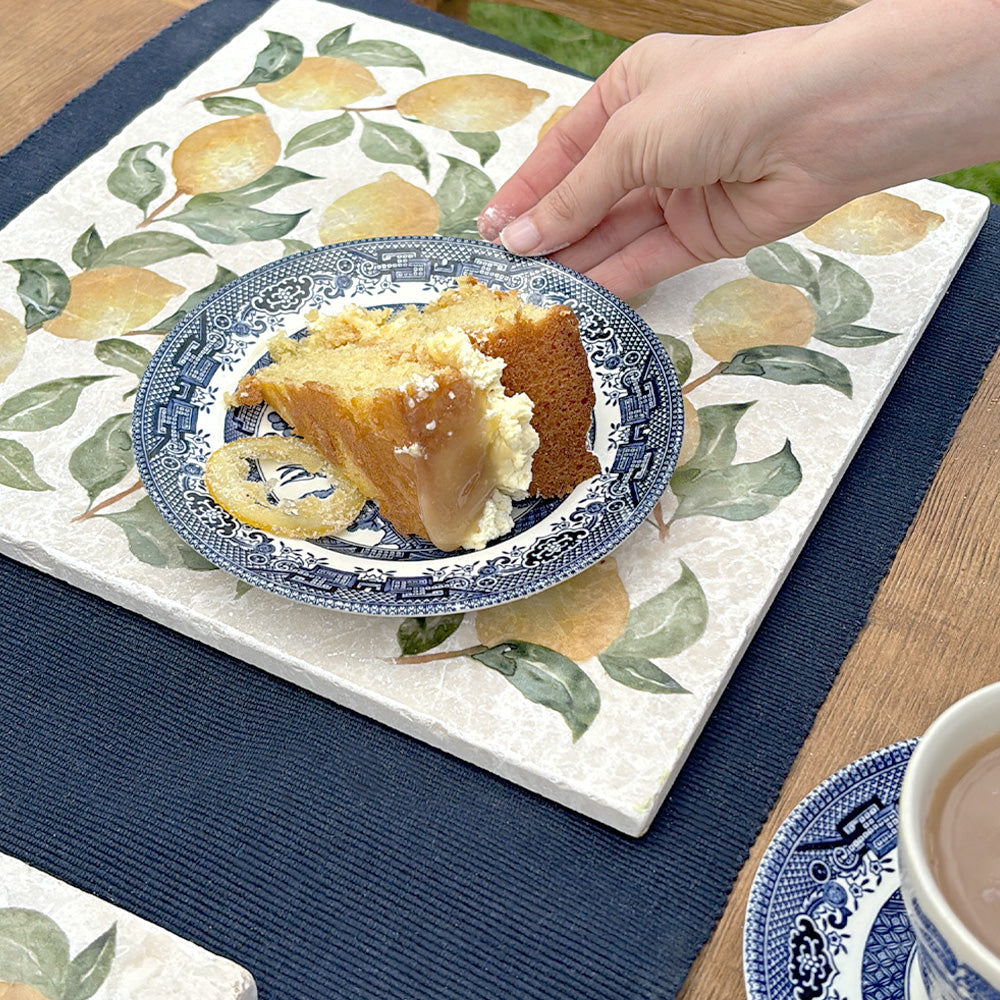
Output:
[[591, 52]]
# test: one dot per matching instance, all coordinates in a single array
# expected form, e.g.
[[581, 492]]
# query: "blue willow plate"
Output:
[[181, 416], [825, 920]]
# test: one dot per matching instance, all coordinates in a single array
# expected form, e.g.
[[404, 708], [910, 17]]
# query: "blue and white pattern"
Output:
[[944, 977], [825, 920], [181, 416]]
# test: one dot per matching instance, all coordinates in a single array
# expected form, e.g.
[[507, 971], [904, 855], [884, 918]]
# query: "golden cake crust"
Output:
[[404, 409], [545, 359], [376, 445]]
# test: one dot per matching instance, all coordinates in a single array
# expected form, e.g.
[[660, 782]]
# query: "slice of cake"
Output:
[[423, 411], [544, 358]]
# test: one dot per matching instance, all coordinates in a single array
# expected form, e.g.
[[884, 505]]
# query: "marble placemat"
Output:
[[785, 358], [60, 943]]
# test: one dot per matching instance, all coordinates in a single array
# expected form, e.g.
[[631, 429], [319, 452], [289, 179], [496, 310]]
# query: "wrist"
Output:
[[902, 89]]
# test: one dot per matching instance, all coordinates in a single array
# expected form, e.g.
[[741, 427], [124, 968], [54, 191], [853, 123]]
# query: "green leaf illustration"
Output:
[[463, 194], [332, 43], [105, 458], [679, 354], [231, 107], [42, 287], [784, 265], [87, 249], [277, 59], [417, 635], [717, 438], [34, 950], [792, 366], [88, 970], [275, 180], [324, 133], [840, 294], [294, 246], [17, 468], [844, 295], [662, 626], [137, 179], [125, 354], [392, 144], [380, 53], [853, 335], [369, 53], [222, 277], [45, 405], [145, 248], [152, 541], [486, 144], [218, 219], [547, 678], [737, 492], [640, 675]]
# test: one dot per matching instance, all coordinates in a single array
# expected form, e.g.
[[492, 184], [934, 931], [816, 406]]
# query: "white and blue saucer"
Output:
[[181, 415], [825, 920]]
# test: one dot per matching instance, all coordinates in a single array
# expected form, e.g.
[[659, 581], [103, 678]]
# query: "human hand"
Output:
[[675, 157], [693, 148]]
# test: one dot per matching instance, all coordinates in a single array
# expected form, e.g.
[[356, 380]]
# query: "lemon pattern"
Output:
[[37, 963], [386, 207], [875, 225], [321, 83], [478, 102], [258, 162]]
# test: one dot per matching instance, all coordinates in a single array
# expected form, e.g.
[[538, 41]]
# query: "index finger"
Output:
[[558, 152]]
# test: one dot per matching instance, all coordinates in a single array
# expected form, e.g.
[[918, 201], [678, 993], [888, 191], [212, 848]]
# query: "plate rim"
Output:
[[347, 598], [766, 879]]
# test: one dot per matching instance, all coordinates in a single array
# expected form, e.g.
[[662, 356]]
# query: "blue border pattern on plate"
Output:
[[825, 919], [181, 416]]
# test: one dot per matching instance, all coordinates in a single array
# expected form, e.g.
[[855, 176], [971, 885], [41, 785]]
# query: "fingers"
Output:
[[646, 261], [636, 214], [582, 199], [549, 179], [652, 234], [562, 147], [633, 248]]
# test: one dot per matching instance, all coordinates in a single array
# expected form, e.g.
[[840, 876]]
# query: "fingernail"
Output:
[[492, 221], [521, 236]]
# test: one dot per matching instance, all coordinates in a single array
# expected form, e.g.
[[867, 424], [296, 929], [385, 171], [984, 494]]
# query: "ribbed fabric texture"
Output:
[[335, 858]]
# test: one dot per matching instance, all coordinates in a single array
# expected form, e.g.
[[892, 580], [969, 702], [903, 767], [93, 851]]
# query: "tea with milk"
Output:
[[963, 840]]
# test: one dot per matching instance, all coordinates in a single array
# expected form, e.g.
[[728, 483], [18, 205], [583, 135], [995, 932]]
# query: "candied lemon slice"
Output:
[[255, 502]]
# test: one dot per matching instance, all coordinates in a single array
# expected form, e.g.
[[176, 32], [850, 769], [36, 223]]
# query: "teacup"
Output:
[[958, 949]]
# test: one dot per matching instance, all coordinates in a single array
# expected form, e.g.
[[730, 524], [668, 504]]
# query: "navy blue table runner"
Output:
[[335, 858]]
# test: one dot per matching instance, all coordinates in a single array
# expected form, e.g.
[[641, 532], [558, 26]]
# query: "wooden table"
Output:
[[933, 631]]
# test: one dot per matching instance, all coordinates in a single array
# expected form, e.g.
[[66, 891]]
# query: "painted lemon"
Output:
[[875, 225], [692, 433], [111, 301], [225, 155], [13, 338], [751, 312], [20, 991], [389, 206], [480, 102], [579, 618], [321, 83], [557, 116]]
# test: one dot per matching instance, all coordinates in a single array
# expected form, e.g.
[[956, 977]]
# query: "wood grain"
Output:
[[50, 50], [933, 630], [932, 636]]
